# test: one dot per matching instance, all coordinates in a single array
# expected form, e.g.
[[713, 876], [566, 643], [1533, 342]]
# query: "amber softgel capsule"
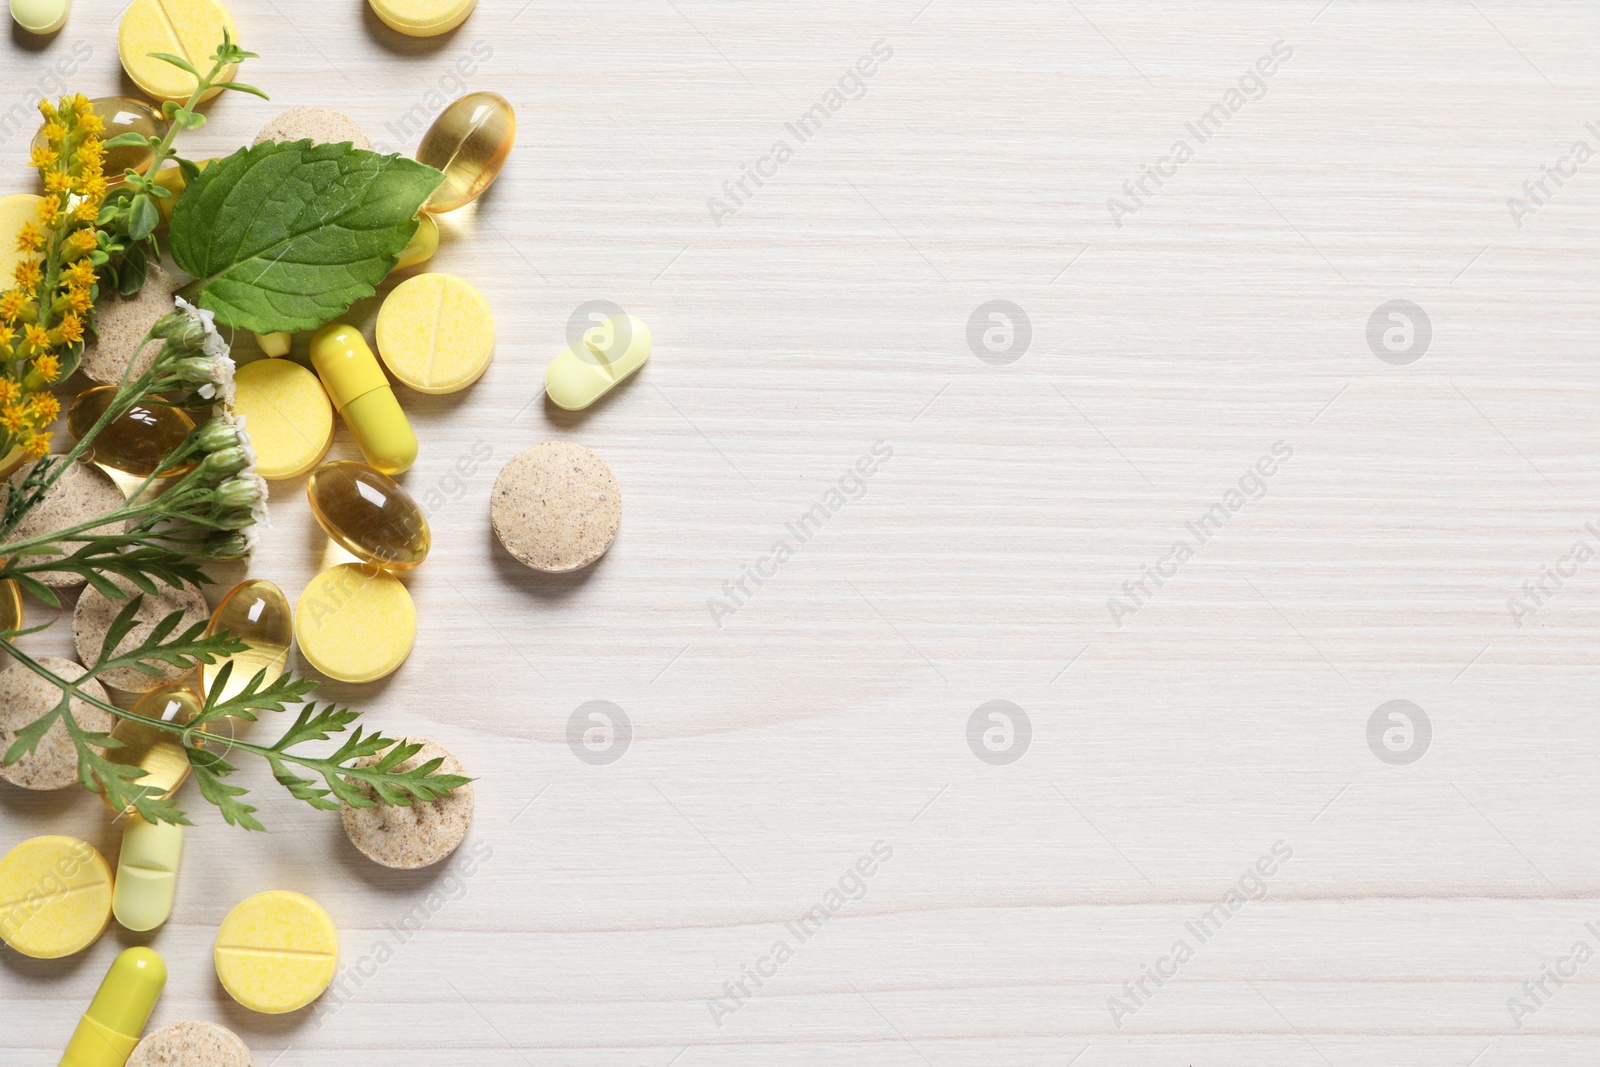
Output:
[[134, 442], [469, 142], [257, 613], [369, 515]]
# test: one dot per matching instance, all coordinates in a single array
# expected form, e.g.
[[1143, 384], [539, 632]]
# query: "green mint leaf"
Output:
[[286, 236], [122, 140]]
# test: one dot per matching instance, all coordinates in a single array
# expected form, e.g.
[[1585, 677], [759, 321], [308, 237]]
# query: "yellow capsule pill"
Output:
[[422, 18], [357, 387], [172, 180], [609, 353], [355, 623], [109, 1030], [369, 515], [157, 752], [147, 873], [134, 442], [276, 951], [287, 414], [257, 613], [188, 29], [469, 141], [423, 244], [55, 897], [436, 333]]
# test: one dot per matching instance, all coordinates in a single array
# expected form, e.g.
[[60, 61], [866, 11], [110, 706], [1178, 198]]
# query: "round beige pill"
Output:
[[556, 507], [24, 697], [319, 125], [121, 322], [95, 612], [435, 333], [287, 414], [418, 834], [190, 1044], [355, 623], [82, 493]]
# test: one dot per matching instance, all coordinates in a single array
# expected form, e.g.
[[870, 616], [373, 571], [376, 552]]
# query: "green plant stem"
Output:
[[185, 733], [163, 151]]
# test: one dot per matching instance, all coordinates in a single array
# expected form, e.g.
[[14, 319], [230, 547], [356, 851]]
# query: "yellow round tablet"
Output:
[[422, 18], [436, 333], [189, 29], [276, 951], [55, 897], [15, 211], [355, 623], [287, 414]]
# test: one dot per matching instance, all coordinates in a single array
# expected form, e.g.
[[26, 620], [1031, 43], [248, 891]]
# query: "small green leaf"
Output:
[[188, 120], [176, 61], [239, 87], [131, 277], [189, 171], [127, 140], [286, 236]]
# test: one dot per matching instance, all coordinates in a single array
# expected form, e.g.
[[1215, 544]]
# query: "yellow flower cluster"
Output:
[[44, 315]]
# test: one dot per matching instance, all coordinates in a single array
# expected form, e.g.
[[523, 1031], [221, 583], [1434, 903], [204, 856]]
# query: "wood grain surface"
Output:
[[829, 717]]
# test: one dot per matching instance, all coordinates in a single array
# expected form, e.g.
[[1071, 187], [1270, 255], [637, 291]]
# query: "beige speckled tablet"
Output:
[[24, 696], [190, 1045], [556, 507], [83, 492], [406, 838], [95, 612], [321, 125], [122, 322]]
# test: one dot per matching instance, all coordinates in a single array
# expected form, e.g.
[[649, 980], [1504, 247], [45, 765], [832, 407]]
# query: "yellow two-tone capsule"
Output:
[[147, 873], [358, 388], [111, 1027]]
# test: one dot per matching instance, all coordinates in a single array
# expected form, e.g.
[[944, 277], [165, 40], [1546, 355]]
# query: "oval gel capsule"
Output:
[[257, 613], [469, 142], [610, 352], [111, 1027], [369, 515], [158, 753], [358, 388], [134, 442], [147, 873]]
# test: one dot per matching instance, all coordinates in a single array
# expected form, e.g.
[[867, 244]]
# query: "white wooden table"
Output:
[[1167, 744]]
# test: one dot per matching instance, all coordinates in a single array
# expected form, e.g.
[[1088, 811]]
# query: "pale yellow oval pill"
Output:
[[422, 18], [189, 29], [276, 951], [436, 333], [355, 623], [15, 210], [287, 414], [55, 897]]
